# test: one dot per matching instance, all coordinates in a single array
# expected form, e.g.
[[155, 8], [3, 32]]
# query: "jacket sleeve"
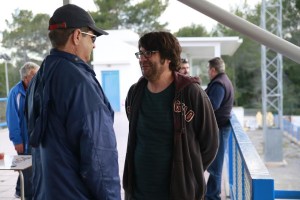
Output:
[[13, 119], [128, 101], [208, 133]]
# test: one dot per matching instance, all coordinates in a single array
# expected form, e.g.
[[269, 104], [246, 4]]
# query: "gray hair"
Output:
[[26, 69], [218, 64]]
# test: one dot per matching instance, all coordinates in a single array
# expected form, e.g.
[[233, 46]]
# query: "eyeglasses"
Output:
[[146, 54], [93, 37]]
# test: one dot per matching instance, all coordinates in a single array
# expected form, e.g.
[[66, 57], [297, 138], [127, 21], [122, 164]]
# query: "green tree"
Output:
[[109, 13], [291, 69], [142, 17], [26, 37], [26, 40], [13, 74], [122, 14], [192, 31]]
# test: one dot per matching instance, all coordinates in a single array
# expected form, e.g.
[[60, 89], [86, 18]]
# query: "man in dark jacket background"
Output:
[[70, 120], [221, 94], [173, 134]]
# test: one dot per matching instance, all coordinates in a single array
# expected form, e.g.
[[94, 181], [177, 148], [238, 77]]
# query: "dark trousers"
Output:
[[215, 169]]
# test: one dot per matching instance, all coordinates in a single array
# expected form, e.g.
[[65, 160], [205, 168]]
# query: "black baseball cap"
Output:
[[72, 16]]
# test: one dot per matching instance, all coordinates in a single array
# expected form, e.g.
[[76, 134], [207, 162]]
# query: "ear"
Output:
[[168, 61], [76, 37]]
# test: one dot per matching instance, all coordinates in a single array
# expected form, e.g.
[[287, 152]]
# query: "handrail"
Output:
[[248, 176]]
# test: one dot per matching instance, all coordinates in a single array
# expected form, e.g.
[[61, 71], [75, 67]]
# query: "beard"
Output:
[[152, 70]]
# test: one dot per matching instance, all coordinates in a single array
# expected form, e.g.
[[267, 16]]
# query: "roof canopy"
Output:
[[120, 45], [209, 47]]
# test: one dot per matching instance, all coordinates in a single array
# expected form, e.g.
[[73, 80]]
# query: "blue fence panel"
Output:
[[292, 130], [250, 177]]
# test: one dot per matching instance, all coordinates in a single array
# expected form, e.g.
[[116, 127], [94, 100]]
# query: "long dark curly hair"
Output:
[[167, 45]]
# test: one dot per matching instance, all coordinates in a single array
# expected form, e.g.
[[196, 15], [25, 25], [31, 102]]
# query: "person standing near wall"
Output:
[[70, 120], [173, 134], [16, 122], [221, 94]]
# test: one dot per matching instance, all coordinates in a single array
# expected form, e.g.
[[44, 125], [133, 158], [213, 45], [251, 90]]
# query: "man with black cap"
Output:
[[70, 120]]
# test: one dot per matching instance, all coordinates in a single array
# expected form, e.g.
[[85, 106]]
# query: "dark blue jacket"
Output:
[[70, 123]]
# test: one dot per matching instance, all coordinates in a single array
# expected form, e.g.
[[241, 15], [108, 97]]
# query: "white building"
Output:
[[117, 68]]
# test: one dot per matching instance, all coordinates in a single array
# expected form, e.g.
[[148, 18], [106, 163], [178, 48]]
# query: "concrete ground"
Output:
[[286, 177], [286, 174]]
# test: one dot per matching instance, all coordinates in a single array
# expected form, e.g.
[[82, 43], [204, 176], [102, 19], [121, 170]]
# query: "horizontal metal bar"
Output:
[[287, 194]]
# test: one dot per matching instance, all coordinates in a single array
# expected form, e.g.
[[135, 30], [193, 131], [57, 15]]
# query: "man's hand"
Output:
[[19, 148]]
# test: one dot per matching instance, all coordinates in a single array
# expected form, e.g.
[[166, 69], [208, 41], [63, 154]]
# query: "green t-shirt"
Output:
[[154, 145]]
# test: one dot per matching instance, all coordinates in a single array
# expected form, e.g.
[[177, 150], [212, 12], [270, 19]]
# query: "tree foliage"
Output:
[[109, 13], [140, 17], [13, 74], [192, 31], [26, 37], [291, 69]]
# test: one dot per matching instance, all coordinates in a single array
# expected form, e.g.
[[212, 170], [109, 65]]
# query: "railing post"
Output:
[[263, 189]]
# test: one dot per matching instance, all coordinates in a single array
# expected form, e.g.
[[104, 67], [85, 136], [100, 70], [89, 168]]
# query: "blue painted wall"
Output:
[[111, 87]]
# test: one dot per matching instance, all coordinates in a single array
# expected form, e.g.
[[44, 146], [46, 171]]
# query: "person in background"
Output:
[[173, 133], [221, 94], [16, 122], [70, 120], [184, 67]]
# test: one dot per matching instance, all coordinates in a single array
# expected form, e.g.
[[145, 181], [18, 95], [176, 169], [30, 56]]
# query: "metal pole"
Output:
[[6, 78], [65, 2], [272, 98], [243, 26], [22, 185]]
